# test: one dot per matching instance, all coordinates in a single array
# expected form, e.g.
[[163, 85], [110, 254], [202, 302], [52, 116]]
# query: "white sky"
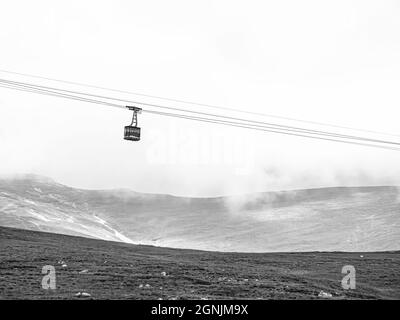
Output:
[[329, 61]]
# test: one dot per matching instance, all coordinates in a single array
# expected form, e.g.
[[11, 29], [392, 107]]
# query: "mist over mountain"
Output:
[[325, 219]]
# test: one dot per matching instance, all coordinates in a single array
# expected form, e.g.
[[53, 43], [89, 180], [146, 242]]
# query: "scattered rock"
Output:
[[64, 265], [140, 286], [164, 274], [361, 256], [82, 295], [147, 285], [323, 294]]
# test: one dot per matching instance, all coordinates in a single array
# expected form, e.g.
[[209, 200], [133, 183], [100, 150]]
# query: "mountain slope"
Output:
[[125, 271], [327, 219], [37, 203]]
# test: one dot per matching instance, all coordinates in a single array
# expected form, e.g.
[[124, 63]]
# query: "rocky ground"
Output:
[[113, 270]]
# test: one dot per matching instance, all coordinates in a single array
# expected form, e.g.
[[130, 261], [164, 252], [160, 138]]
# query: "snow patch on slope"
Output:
[[119, 235]]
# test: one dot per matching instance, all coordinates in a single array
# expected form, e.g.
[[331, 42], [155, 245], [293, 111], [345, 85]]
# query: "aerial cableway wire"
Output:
[[272, 131], [250, 126], [62, 95], [173, 108], [238, 121], [197, 103], [188, 117]]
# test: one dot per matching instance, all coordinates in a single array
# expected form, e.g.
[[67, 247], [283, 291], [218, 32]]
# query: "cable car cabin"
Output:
[[132, 133]]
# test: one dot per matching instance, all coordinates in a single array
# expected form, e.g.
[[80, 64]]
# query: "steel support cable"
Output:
[[227, 123], [166, 107], [242, 121], [197, 104], [266, 127], [50, 93], [273, 131], [55, 94]]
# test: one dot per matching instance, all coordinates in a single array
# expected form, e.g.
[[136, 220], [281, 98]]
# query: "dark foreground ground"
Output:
[[121, 271]]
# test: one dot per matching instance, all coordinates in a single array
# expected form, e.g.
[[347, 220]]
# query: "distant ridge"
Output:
[[27, 176], [320, 219]]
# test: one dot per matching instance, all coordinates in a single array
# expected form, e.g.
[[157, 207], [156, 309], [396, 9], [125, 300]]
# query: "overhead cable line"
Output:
[[217, 121], [52, 93], [238, 121], [197, 103], [273, 131], [61, 95]]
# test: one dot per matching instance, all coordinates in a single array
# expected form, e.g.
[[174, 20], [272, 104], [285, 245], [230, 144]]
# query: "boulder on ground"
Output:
[[82, 295], [323, 294]]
